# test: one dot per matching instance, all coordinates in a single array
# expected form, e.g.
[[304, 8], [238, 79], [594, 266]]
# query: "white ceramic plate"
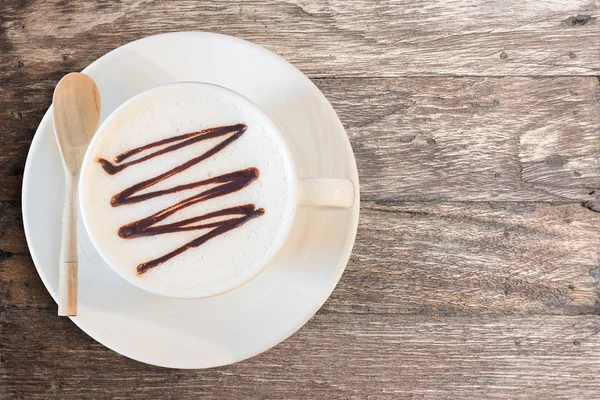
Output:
[[231, 327]]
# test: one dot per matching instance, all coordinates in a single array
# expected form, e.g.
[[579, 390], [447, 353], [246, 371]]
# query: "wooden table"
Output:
[[476, 128]]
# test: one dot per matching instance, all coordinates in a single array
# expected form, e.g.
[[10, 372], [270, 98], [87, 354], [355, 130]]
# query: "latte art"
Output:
[[223, 185]]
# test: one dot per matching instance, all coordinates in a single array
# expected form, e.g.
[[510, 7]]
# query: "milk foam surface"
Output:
[[225, 260]]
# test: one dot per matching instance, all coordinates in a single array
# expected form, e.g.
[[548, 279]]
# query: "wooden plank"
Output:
[[449, 259], [515, 139], [22, 106], [442, 259], [334, 356], [424, 138], [323, 38], [20, 285]]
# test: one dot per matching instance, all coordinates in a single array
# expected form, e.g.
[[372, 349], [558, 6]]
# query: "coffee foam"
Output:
[[223, 261]]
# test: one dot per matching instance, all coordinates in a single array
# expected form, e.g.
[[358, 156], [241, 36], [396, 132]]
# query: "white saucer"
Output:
[[255, 317]]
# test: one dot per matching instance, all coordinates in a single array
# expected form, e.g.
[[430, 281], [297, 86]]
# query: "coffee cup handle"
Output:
[[325, 192]]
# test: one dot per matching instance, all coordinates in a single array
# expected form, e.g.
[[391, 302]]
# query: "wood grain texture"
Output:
[[450, 259], [335, 356], [324, 38], [476, 270], [517, 139]]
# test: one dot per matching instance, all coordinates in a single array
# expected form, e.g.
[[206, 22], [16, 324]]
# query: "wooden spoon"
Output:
[[76, 106]]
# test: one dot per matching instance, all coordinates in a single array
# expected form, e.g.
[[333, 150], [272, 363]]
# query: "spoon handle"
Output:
[[67, 276]]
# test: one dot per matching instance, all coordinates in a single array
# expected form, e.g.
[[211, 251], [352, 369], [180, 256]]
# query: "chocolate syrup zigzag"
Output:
[[227, 219]]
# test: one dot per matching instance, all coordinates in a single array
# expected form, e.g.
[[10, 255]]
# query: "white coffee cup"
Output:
[[217, 265]]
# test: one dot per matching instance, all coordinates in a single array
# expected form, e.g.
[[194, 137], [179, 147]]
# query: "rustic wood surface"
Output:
[[476, 128]]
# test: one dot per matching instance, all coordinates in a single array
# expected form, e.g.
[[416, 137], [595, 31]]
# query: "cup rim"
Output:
[[85, 165]]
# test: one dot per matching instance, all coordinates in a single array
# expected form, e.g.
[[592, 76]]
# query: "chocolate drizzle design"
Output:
[[219, 221]]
